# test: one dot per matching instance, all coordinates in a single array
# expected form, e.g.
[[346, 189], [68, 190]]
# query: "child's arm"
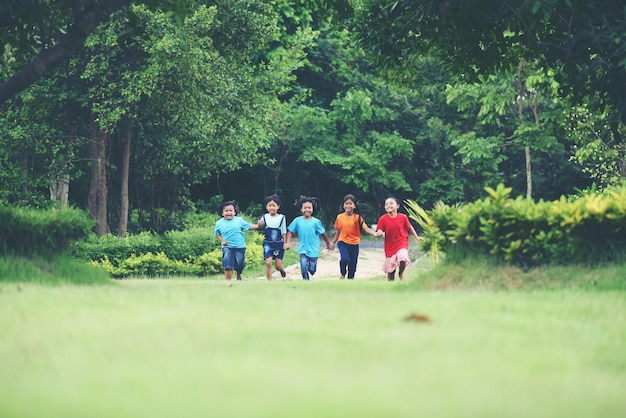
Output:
[[287, 240], [417, 237], [335, 236], [329, 245], [372, 232], [254, 226], [222, 240]]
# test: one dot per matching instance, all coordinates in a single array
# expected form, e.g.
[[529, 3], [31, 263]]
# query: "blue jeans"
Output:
[[308, 265], [234, 259], [349, 254]]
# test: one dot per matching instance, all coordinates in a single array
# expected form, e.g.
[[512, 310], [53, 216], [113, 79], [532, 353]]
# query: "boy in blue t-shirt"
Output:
[[230, 231], [309, 230]]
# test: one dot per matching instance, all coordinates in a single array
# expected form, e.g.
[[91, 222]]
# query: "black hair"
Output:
[[303, 199], [272, 198], [228, 203], [356, 207], [356, 204]]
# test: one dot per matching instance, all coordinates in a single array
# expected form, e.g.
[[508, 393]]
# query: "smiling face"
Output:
[[391, 206], [348, 206], [272, 207], [307, 210], [228, 212]]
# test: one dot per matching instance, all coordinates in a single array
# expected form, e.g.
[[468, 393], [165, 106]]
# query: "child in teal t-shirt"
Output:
[[308, 229], [230, 231]]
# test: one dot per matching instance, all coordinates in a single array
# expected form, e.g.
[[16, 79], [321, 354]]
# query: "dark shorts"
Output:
[[273, 251], [234, 258]]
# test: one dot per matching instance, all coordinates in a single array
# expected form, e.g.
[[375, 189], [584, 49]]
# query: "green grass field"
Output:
[[199, 348]]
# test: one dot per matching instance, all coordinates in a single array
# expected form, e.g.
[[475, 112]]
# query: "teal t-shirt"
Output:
[[309, 232], [232, 231]]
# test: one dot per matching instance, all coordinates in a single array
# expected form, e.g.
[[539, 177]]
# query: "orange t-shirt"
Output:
[[349, 228]]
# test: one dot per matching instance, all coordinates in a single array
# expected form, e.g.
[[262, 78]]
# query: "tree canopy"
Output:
[[586, 39]]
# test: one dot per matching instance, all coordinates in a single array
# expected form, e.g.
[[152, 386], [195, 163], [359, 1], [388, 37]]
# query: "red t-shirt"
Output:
[[396, 232]]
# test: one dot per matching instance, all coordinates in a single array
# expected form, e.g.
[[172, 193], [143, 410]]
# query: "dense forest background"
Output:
[[142, 111]]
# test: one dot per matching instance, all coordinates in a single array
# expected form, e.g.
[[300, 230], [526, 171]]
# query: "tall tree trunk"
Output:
[[529, 173], [98, 188], [521, 96], [123, 224], [60, 189]]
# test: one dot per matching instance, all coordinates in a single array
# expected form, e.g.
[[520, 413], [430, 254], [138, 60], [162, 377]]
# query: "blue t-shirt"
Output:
[[232, 231], [309, 232]]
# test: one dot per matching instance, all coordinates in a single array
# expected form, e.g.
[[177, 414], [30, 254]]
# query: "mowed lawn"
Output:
[[199, 348]]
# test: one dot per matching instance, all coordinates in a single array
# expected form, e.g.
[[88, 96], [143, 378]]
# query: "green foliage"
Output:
[[190, 252], [28, 232], [590, 229], [159, 264], [480, 37], [432, 234]]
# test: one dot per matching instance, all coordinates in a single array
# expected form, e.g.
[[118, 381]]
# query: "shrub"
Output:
[[161, 264], [588, 229], [29, 232]]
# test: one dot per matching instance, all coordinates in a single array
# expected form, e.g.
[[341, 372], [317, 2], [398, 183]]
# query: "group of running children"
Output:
[[393, 226]]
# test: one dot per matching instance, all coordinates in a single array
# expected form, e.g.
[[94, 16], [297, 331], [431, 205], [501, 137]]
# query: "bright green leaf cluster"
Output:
[[588, 229]]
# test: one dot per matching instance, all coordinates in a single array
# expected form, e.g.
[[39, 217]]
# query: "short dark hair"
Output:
[[228, 203], [303, 199], [272, 198]]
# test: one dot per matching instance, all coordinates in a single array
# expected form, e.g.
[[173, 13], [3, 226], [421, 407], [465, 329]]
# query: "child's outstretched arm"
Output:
[[329, 245], [371, 231], [417, 237], [287, 240], [335, 236]]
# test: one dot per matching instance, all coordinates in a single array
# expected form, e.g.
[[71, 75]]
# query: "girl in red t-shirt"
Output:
[[396, 227]]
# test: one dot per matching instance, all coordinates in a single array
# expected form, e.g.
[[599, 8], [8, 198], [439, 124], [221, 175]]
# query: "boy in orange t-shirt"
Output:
[[348, 226]]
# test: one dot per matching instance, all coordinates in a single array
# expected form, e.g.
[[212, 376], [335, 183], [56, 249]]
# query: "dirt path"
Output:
[[369, 265]]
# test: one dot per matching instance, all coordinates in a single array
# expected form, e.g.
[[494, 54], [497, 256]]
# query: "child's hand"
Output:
[[420, 239], [286, 246], [380, 233], [330, 246]]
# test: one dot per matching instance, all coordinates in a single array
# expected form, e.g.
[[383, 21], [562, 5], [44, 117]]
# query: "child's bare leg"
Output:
[[279, 267], [268, 268], [401, 271], [390, 276], [238, 276], [228, 274]]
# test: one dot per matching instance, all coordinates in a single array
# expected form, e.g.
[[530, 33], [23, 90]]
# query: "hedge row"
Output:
[[177, 245], [194, 252], [588, 229], [27, 232], [160, 265]]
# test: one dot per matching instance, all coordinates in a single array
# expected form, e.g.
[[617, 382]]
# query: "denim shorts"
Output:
[[272, 251], [234, 258]]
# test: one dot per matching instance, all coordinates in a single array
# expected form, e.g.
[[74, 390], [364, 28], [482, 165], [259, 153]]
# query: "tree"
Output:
[[56, 29], [583, 39], [202, 95]]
